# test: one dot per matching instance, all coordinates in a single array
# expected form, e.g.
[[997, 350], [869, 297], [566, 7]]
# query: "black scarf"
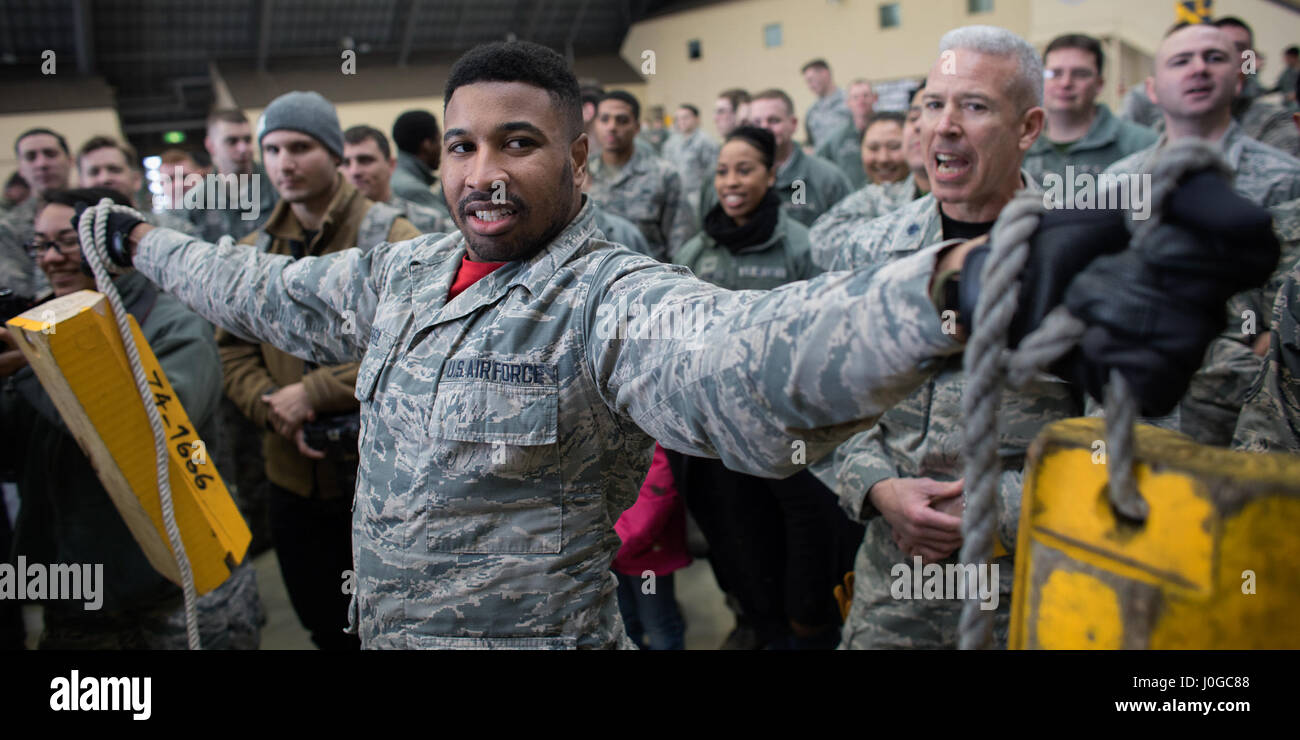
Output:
[[759, 228]]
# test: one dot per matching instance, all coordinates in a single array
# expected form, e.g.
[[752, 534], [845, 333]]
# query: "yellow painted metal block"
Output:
[[73, 345], [1213, 567]]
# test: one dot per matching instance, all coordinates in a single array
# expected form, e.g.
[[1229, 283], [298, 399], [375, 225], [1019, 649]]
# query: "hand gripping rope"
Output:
[[990, 366], [93, 232]]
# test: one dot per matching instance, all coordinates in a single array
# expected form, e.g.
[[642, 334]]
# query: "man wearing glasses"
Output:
[[1080, 132]]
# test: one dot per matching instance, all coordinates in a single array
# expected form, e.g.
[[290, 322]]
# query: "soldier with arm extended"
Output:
[[513, 375]]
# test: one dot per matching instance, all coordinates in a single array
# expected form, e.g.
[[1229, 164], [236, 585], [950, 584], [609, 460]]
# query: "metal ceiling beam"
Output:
[[264, 36], [81, 29], [573, 32], [408, 33]]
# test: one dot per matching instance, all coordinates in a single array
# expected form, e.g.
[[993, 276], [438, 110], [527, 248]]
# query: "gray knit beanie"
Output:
[[306, 112]]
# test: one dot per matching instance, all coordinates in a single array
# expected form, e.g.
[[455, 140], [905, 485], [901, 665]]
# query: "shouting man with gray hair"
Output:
[[981, 112]]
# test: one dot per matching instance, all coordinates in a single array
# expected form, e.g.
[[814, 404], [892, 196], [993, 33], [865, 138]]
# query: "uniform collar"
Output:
[[434, 268], [789, 172], [1231, 144]]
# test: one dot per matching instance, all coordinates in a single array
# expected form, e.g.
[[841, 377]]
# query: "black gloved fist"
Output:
[[1065, 242], [119, 229], [1153, 310]]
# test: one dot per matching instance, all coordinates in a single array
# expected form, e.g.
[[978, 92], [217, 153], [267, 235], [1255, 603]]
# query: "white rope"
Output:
[[93, 228]]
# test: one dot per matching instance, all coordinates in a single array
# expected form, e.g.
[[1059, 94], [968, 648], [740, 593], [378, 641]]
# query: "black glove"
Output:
[[1065, 242], [119, 229], [1153, 310]]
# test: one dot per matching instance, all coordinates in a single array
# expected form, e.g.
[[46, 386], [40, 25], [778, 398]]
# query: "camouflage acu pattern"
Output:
[[922, 438], [1265, 175], [782, 258], [654, 138], [214, 223], [844, 149], [807, 185], [1139, 109], [1269, 178], [412, 181], [504, 432], [826, 116], [427, 220], [905, 229], [230, 618], [648, 192], [18, 272], [695, 157], [1270, 418], [1108, 140], [878, 621], [619, 230], [1271, 124], [832, 232]]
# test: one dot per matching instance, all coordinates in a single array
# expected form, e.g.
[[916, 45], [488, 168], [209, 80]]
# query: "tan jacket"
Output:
[[252, 370]]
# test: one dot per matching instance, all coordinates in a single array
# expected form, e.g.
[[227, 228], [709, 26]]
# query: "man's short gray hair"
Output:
[[1027, 86]]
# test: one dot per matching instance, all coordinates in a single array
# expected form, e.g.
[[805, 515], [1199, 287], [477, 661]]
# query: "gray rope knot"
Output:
[[989, 366]]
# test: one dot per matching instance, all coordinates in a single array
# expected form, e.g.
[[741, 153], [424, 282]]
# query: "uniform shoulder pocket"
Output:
[[372, 363]]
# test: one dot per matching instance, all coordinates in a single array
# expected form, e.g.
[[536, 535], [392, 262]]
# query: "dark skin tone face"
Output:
[[510, 138]]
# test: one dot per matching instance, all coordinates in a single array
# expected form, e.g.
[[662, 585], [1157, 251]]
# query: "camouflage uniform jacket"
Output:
[[922, 438], [833, 229], [1108, 140], [844, 149], [781, 259], [413, 180], [648, 192], [1270, 419], [252, 369], [214, 223], [18, 272], [826, 116], [504, 432], [1271, 124], [619, 230], [695, 157], [427, 220], [1269, 178]]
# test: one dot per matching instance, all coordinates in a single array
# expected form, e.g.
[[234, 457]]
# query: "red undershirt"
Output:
[[470, 273]]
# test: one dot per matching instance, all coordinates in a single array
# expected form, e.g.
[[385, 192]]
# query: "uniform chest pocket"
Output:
[[495, 464]]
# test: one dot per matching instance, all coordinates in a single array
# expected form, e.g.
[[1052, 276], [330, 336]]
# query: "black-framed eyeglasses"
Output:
[[67, 245]]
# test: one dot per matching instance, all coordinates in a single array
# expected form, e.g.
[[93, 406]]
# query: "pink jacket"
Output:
[[654, 529]]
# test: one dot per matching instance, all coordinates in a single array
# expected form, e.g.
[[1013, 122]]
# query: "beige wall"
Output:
[[75, 125], [847, 34]]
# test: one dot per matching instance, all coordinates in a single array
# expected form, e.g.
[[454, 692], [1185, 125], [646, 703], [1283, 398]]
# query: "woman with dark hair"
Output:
[[748, 242], [777, 547]]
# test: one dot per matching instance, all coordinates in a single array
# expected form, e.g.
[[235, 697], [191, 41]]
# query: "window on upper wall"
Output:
[[772, 35], [693, 49], [979, 6], [890, 16]]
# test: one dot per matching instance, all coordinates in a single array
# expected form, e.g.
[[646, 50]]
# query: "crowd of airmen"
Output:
[[443, 528]]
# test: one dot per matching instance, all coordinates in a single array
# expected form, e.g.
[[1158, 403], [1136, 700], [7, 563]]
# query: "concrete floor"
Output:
[[708, 621]]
